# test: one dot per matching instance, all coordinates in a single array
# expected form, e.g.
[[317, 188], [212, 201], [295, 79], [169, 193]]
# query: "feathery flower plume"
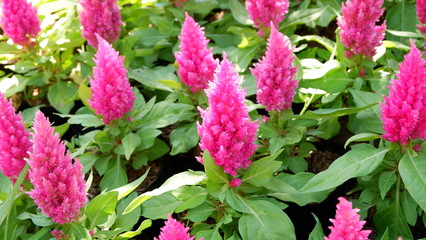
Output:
[[14, 140], [347, 225], [59, 187], [112, 95], [358, 30], [59, 234], [263, 12], [227, 132], [174, 230], [421, 15], [102, 18], [404, 111], [20, 21], [275, 74], [196, 63]]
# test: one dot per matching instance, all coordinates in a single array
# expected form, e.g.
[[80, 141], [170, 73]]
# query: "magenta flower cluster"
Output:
[[358, 30], [112, 95], [174, 230], [347, 225], [102, 18], [404, 111], [14, 140], [275, 74], [421, 15], [59, 187], [227, 132], [265, 12], [196, 63], [20, 21]]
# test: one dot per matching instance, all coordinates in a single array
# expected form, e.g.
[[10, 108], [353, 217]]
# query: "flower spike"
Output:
[[196, 63], [20, 21], [14, 140], [404, 110], [174, 230], [267, 13], [102, 18], [59, 187], [275, 74], [112, 95], [227, 132]]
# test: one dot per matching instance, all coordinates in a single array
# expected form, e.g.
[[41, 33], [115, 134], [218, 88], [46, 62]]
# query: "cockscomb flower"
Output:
[[227, 132], [174, 230], [421, 15], [275, 74], [347, 225], [14, 140], [404, 111], [263, 12], [196, 63], [358, 30], [20, 21], [102, 18], [112, 95], [59, 187]]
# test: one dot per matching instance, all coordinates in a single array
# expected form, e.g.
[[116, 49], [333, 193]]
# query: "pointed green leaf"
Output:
[[412, 168]]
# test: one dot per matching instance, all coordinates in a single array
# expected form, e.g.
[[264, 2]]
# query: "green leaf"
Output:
[[184, 138], [147, 138], [261, 171], [302, 17], [409, 207], [386, 181], [85, 120], [166, 113], [191, 196], [392, 219], [362, 137], [264, 221], [79, 231], [412, 169], [317, 233], [329, 113], [125, 190], [152, 77], [355, 163], [61, 96], [126, 222], [174, 182], [144, 225], [214, 173], [239, 12], [401, 17], [200, 213], [160, 206], [85, 93], [103, 205], [114, 177], [200, 6], [129, 143]]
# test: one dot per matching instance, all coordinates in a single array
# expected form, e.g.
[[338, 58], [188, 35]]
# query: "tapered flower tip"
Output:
[[174, 230], [347, 225]]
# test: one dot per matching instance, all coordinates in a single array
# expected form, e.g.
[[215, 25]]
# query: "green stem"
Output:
[[398, 186], [11, 198], [307, 104]]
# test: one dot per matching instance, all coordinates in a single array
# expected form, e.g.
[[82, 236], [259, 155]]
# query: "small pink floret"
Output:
[[265, 12], [346, 225]]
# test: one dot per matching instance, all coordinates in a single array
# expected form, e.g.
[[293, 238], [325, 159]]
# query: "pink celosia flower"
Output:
[[275, 74], [20, 21], [347, 225], [59, 234], [102, 18], [404, 112], [236, 182], [14, 140], [227, 132], [112, 95], [174, 230], [196, 63], [421, 15], [263, 12], [179, 3], [358, 30], [59, 187]]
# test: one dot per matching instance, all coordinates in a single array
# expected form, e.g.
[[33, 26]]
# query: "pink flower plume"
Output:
[[227, 132], [174, 230], [263, 12], [59, 187]]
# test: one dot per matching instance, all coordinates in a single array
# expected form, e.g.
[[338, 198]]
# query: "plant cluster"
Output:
[[108, 91]]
